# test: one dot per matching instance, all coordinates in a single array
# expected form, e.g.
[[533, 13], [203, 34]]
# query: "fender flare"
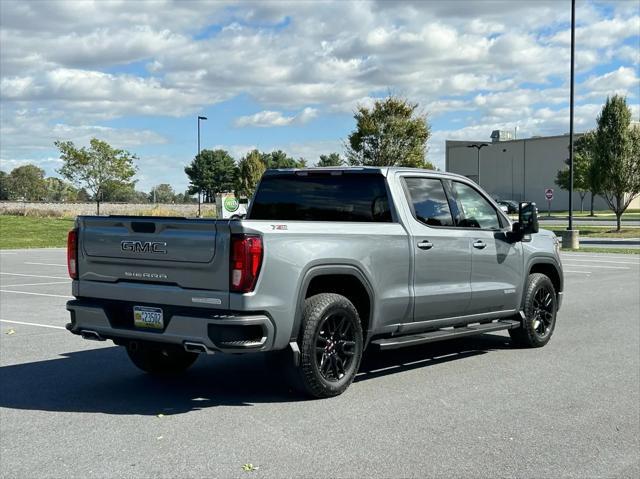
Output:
[[544, 260], [324, 270]]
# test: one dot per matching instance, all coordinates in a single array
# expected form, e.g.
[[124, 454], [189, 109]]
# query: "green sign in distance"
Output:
[[231, 204]]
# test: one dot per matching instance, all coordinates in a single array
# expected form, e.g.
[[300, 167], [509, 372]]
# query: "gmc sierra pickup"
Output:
[[327, 262]]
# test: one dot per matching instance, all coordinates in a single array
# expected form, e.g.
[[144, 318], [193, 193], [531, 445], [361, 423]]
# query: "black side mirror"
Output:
[[528, 218]]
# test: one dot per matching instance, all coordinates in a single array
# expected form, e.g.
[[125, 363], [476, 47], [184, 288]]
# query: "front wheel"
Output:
[[160, 359], [540, 308], [331, 345]]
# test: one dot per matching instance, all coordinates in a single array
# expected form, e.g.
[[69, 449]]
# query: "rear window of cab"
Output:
[[322, 197]]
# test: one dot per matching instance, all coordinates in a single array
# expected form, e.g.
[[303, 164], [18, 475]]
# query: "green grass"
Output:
[[602, 232], [590, 249], [30, 232], [630, 214]]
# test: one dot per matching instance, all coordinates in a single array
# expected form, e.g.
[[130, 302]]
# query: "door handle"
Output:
[[426, 244], [479, 244]]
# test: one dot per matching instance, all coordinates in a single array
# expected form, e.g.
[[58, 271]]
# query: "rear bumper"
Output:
[[217, 331]]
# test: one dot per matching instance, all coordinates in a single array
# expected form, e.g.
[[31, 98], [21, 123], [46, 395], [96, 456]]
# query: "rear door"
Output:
[[187, 253], [496, 261], [442, 271]]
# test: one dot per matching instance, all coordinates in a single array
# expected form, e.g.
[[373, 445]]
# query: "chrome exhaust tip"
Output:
[[91, 335], [192, 347]]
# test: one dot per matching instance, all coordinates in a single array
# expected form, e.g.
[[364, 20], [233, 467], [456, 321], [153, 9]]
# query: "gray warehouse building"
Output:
[[517, 170]]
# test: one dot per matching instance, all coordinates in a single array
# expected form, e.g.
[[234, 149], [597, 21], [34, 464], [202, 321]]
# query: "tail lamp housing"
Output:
[[72, 253], [246, 260]]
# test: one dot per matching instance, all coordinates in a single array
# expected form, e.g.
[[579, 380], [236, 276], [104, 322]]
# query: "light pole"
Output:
[[478, 146], [571, 238], [199, 190]]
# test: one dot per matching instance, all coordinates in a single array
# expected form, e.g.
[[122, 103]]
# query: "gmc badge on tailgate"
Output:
[[143, 246]]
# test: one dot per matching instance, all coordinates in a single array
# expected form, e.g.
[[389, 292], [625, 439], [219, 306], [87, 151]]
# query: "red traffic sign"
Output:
[[548, 193]]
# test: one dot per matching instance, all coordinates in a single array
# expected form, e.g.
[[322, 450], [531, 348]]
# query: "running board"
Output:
[[442, 334]]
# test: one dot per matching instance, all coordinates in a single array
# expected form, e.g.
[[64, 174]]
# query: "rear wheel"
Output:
[[540, 307], [160, 359], [331, 345]]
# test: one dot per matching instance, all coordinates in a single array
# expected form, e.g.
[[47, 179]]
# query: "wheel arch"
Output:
[[550, 269], [346, 280]]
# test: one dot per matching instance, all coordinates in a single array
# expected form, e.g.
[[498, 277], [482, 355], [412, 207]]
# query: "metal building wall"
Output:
[[517, 169]]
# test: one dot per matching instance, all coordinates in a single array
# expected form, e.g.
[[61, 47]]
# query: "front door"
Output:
[[497, 262], [442, 264]]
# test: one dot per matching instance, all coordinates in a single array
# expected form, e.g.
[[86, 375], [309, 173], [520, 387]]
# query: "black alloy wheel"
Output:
[[335, 346]]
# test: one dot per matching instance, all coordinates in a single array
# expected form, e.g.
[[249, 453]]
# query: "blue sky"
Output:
[[288, 75]]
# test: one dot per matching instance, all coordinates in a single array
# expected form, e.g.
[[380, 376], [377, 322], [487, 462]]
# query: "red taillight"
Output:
[[72, 253], [246, 258]]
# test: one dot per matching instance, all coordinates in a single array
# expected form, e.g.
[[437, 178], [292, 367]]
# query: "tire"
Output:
[[160, 359], [331, 345], [540, 307]]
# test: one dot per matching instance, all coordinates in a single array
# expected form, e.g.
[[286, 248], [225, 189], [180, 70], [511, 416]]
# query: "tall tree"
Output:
[[26, 183], [391, 133], [250, 170], [617, 156], [96, 167], [211, 172], [162, 193], [332, 159]]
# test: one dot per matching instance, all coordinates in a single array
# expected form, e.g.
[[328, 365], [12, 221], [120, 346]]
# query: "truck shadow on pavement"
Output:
[[103, 380]]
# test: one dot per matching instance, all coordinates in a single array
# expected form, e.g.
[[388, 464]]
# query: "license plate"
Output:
[[145, 317]]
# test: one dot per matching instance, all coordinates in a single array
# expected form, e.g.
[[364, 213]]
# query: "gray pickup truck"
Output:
[[327, 262]]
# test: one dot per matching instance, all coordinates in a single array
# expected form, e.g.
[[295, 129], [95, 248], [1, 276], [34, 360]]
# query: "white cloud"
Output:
[[623, 81], [267, 118]]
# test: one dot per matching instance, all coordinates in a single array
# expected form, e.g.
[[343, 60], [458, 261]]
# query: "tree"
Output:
[[279, 159], [26, 183], [585, 146], [250, 170], [617, 156], [211, 172], [582, 169], [59, 190], [391, 133], [332, 159], [162, 193], [118, 192], [96, 167], [140, 197], [4, 185], [83, 196]]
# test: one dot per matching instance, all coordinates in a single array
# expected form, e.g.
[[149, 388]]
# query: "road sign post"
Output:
[[548, 194]]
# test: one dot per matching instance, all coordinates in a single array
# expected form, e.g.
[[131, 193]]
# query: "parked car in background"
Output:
[[510, 205]]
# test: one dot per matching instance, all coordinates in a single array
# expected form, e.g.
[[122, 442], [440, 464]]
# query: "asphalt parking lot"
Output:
[[466, 408]]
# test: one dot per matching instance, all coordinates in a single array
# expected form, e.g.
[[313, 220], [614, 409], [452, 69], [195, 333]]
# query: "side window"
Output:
[[429, 201], [476, 211]]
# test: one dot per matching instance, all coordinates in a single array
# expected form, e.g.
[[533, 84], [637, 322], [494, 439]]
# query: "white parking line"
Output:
[[31, 324], [34, 275], [35, 294], [631, 257], [45, 264], [602, 261], [38, 284], [596, 266]]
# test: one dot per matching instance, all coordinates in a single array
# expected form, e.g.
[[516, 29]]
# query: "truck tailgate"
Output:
[[171, 253]]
